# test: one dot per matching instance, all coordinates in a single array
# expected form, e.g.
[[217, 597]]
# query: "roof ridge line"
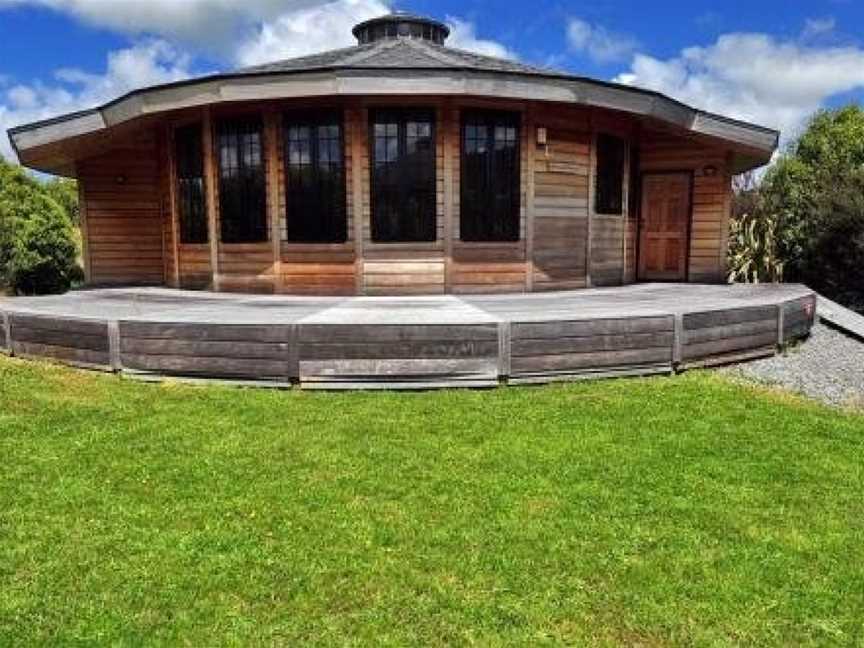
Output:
[[359, 57]]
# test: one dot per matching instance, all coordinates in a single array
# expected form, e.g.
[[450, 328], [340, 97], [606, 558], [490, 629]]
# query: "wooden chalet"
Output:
[[398, 166]]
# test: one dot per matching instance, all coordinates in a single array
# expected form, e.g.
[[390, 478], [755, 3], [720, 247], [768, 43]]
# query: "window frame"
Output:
[[427, 230], [243, 230], [491, 120], [338, 218], [194, 229], [616, 207]]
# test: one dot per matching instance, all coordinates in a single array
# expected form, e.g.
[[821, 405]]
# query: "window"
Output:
[[611, 152], [242, 193], [403, 176], [315, 178], [191, 202], [490, 185]]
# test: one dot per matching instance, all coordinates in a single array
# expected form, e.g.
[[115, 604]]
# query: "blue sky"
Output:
[[769, 61]]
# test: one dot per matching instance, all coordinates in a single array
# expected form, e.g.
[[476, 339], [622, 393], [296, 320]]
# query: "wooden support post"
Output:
[[172, 202], [271, 147], [450, 130], [592, 183], [781, 324], [293, 352], [678, 341], [504, 350], [6, 332], [114, 346], [358, 125], [85, 233], [530, 148], [625, 211], [210, 189]]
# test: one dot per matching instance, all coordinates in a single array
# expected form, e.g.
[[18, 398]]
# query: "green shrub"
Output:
[[38, 248], [753, 250]]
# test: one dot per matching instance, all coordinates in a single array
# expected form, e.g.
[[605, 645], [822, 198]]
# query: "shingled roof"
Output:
[[402, 53]]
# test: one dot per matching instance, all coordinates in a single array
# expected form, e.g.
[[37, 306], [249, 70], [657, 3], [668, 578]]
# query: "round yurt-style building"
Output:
[[401, 167]]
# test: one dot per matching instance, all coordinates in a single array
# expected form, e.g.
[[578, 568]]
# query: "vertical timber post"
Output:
[[170, 152], [678, 342], [781, 324], [210, 190], [530, 153], [504, 351], [271, 145], [114, 345], [6, 332]]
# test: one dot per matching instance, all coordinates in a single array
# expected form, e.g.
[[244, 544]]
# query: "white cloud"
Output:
[[307, 30], [600, 44], [463, 35], [206, 23], [816, 27], [147, 63], [755, 77]]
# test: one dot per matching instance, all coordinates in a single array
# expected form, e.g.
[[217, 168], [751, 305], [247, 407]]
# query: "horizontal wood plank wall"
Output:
[[77, 342], [484, 267], [561, 201], [195, 270], [711, 204], [403, 268], [607, 249], [121, 193]]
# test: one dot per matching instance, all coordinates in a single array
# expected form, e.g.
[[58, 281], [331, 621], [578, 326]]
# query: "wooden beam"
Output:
[[85, 234], [210, 190], [530, 155], [271, 156], [450, 130], [358, 125], [172, 201], [592, 184]]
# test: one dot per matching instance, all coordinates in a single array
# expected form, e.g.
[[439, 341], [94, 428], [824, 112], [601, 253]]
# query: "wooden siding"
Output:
[[561, 194], [132, 234], [123, 200]]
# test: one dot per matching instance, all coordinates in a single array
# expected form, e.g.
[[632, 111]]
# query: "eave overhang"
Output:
[[756, 144]]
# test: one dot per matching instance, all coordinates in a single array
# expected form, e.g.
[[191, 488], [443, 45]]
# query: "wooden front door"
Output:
[[664, 226]]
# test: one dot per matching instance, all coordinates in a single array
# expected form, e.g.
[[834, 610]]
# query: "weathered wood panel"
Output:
[[330, 354], [799, 316], [576, 347], [713, 336], [80, 342], [123, 192], [221, 351], [561, 182]]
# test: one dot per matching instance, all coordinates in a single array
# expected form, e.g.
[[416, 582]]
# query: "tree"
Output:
[[38, 248], [813, 200]]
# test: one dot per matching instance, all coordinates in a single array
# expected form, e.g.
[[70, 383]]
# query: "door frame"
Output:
[[642, 174]]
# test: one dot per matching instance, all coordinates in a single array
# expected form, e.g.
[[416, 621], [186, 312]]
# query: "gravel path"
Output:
[[828, 367]]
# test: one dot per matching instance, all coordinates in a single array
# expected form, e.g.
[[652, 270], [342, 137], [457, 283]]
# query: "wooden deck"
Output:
[[407, 342]]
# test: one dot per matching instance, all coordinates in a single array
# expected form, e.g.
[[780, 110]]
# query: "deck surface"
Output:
[[428, 341]]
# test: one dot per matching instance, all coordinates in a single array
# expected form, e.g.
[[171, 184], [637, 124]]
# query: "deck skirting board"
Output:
[[407, 344]]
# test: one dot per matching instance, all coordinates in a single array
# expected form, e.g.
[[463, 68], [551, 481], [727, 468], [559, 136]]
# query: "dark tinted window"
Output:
[[315, 178], [403, 176], [191, 201], [611, 153], [490, 183], [242, 189]]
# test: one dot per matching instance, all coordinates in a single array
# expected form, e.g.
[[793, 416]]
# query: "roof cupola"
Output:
[[400, 24]]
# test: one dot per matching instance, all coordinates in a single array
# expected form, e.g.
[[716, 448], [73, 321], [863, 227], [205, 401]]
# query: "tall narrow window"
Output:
[[191, 202], [611, 154], [490, 185], [403, 176], [242, 189], [315, 178]]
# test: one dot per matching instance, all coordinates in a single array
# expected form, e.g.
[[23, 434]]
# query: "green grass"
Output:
[[685, 511]]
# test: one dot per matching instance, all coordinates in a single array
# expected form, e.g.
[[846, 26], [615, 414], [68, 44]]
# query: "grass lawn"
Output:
[[685, 511]]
